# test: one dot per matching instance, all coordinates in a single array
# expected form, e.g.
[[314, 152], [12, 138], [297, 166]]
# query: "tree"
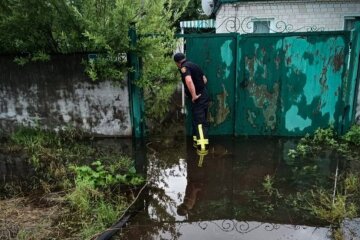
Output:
[[35, 29]]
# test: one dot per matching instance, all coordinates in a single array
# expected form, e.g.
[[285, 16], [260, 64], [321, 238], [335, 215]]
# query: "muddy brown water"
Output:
[[222, 194]]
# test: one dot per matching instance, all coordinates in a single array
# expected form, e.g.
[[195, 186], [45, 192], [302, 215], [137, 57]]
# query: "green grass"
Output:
[[92, 178], [322, 203]]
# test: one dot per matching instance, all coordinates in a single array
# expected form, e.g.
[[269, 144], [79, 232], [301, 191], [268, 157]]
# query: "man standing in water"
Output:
[[194, 81]]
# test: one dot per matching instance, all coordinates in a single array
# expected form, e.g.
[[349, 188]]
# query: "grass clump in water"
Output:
[[326, 139], [94, 183], [93, 197], [353, 135], [332, 205]]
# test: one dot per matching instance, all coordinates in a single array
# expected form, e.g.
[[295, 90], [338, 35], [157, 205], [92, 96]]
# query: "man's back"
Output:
[[190, 68]]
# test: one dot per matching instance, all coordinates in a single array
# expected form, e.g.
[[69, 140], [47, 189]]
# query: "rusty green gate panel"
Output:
[[216, 55], [290, 85], [278, 84], [313, 82], [353, 68], [257, 108]]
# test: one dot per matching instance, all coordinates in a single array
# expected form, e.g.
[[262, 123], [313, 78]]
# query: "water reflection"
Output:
[[196, 196], [227, 229], [195, 184]]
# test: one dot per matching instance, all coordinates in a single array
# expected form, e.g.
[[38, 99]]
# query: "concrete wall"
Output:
[[57, 94], [326, 14]]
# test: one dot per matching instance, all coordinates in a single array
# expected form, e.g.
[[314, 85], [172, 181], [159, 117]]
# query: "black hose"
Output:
[[114, 228], [130, 212]]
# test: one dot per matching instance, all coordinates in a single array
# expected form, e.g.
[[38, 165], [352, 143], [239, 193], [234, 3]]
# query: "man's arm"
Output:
[[191, 87]]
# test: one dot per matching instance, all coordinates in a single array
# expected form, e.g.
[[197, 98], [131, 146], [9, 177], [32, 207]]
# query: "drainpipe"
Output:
[[183, 110]]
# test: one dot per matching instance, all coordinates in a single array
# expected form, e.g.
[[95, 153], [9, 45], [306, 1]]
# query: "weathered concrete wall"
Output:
[[329, 15], [57, 94]]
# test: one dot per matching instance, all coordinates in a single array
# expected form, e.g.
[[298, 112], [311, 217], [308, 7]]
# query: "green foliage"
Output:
[[158, 99], [34, 140], [93, 196], [40, 56], [322, 139], [301, 150], [321, 202], [351, 184], [353, 135], [332, 209], [101, 26], [94, 209], [99, 176], [325, 136], [338, 234], [324, 205], [105, 215], [159, 77], [105, 67], [193, 11], [268, 184], [21, 60], [50, 153], [80, 198], [93, 191]]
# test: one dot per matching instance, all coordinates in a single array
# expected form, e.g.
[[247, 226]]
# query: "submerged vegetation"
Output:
[[315, 197], [340, 201], [326, 139], [93, 186]]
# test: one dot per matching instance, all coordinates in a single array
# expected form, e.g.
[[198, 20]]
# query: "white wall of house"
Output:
[[329, 15]]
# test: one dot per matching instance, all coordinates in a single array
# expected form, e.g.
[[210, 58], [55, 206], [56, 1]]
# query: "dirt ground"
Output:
[[21, 219]]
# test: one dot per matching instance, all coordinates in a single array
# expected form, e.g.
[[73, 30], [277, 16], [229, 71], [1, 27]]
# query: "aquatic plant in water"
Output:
[[331, 205]]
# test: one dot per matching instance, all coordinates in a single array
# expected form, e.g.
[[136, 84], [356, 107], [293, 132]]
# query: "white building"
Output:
[[254, 16]]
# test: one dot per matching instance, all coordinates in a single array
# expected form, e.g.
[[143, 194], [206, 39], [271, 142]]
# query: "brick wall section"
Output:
[[329, 14]]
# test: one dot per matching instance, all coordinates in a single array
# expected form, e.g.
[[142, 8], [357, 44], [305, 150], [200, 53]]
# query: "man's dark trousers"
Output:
[[199, 115]]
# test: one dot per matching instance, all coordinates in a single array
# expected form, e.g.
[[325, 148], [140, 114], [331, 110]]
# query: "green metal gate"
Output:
[[277, 84], [217, 56]]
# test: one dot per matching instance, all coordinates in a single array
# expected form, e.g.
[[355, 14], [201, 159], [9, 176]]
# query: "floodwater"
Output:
[[244, 188]]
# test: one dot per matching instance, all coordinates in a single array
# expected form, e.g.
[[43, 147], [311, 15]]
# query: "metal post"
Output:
[[135, 94], [183, 109]]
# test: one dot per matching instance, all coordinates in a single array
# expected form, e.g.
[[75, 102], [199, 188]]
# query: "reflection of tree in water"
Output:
[[232, 187], [153, 217], [162, 163]]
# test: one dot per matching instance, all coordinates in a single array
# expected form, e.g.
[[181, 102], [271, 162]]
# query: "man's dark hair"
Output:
[[179, 57]]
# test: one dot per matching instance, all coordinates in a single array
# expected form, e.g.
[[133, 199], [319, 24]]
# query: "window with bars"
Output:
[[261, 26]]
